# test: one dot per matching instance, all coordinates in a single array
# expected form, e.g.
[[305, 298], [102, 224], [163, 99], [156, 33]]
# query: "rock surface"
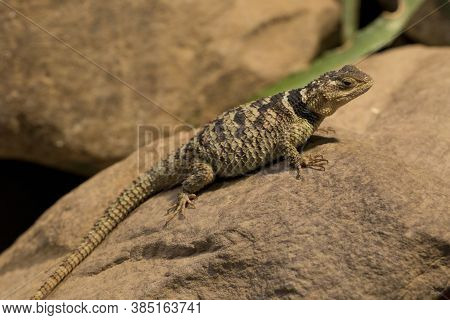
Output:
[[193, 58], [374, 225]]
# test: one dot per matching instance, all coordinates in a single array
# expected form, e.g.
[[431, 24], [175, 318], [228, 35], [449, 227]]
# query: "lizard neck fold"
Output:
[[301, 109]]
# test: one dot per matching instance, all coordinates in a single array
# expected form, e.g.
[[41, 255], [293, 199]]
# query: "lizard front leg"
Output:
[[202, 175], [298, 161]]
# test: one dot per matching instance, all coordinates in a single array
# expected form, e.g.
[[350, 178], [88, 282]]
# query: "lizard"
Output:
[[237, 142]]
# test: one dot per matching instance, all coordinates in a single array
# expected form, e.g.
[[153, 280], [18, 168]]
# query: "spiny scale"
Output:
[[244, 138]]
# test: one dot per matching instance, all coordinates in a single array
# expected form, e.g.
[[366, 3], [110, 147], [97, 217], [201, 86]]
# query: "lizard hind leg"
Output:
[[202, 175]]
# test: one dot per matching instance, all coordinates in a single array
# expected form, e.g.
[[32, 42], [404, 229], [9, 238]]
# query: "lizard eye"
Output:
[[347, 83]]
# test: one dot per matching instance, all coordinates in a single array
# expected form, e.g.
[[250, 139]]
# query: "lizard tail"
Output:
[[140, 190]]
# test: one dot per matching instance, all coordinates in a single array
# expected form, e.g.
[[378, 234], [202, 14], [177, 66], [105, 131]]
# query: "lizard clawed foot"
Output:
[[315, 162], [185, 200], [326, 130]]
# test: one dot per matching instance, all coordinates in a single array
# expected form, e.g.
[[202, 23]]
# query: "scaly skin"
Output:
[[239, 141]]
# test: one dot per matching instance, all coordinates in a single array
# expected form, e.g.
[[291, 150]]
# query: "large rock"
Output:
[[193, 58], [368, 227], [374, 225]]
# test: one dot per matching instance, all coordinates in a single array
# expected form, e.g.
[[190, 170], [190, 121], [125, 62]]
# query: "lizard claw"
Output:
[[190, 205], [316, 162], [326, 130], [185, 200]]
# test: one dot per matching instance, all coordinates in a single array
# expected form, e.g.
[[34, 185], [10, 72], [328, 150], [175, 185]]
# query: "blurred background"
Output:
[[78, 77]]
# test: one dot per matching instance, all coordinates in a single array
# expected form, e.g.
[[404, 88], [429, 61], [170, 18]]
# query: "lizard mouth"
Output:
[[367, 86], [369, 82]]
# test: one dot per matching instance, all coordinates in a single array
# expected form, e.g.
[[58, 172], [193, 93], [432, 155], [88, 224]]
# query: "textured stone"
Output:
[[367, 228], [193, 58]]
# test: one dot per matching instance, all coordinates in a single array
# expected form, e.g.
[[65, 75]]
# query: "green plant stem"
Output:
[[350, 19]]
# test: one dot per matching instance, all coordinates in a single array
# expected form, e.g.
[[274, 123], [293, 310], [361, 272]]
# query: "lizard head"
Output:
[[334, 89]]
